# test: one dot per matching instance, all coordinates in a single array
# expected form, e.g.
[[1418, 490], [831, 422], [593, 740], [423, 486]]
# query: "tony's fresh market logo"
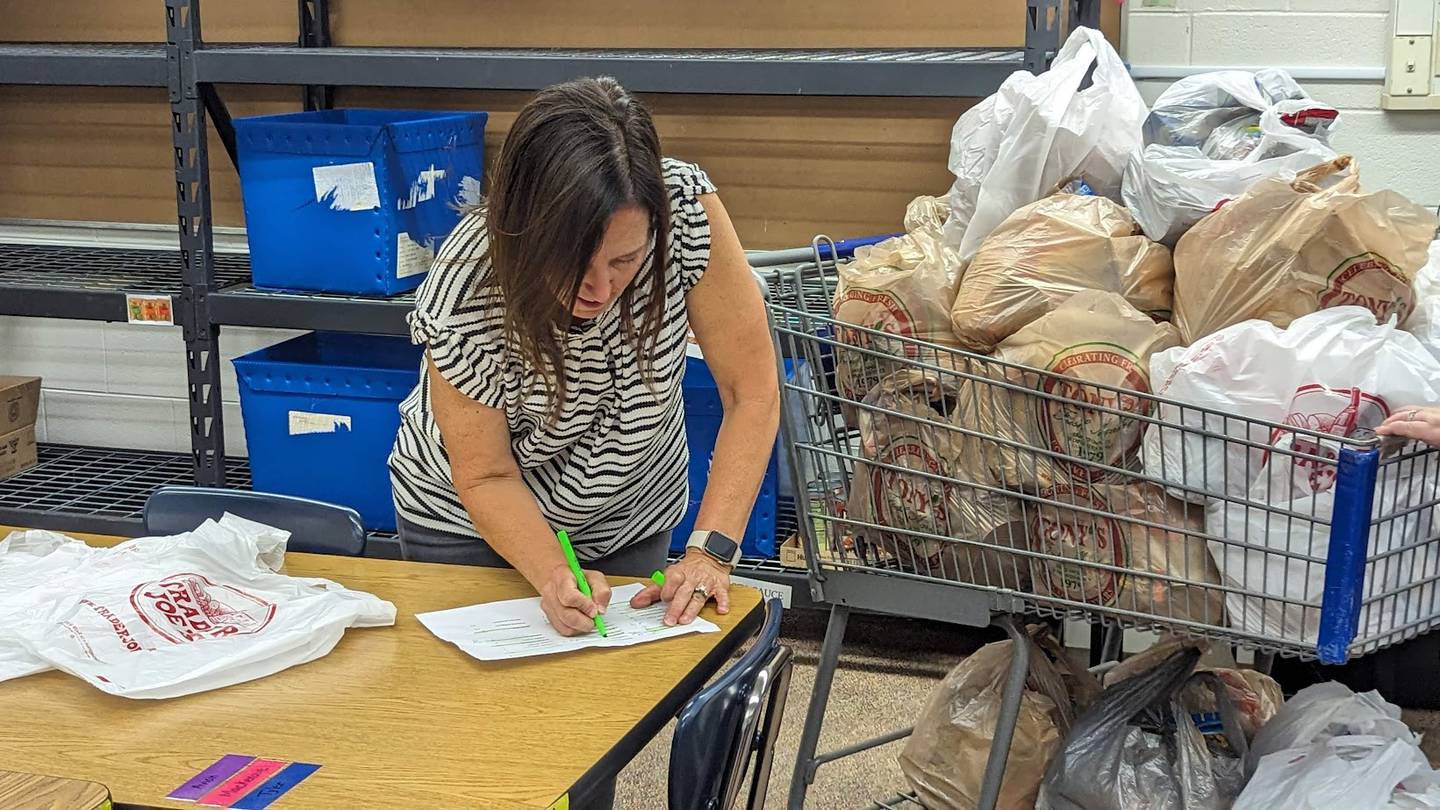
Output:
[[1083, 538], [1371, 281], [1080, 423], [913, 496]]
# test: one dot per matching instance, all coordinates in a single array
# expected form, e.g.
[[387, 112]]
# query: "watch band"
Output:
[[706, 541]]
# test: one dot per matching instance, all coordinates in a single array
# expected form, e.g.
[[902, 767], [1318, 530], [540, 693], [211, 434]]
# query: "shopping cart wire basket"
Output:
[[953, 486]]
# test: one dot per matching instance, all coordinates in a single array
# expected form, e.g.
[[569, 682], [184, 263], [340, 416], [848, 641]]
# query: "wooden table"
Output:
[[394, 716], [29, 791]]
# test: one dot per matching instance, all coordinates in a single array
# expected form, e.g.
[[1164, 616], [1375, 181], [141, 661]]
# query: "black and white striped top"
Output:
[[612, 469]]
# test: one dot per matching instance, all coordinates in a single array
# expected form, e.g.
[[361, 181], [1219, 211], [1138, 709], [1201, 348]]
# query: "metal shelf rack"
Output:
[[92, 283], [84, 63], [210, 290]]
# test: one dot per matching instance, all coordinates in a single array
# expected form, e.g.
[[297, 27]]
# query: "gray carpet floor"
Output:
[[886, 673]]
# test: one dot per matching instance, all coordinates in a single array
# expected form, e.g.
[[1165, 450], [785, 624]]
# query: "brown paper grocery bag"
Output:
[[1287, 248]]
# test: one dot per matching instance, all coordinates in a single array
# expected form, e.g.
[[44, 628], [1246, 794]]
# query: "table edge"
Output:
[[609, 765]]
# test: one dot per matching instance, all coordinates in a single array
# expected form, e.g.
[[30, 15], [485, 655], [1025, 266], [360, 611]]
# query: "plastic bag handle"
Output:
[[1308, 181], [1229, 713], [1115, 707]]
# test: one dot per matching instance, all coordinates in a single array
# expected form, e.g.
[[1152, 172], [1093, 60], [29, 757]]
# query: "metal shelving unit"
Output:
[[848, 72], [92, 283], [84, 63], [101, 490], [93, 489]]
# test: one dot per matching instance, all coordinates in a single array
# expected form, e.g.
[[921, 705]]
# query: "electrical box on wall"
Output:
[[1412, 72]]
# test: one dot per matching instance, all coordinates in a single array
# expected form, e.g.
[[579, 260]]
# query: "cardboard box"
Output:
[[19, 403], [18, 451]]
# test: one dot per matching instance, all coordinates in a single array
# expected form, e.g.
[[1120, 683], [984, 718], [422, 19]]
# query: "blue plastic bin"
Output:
[[703, 413], [321, 412], [355, 201]]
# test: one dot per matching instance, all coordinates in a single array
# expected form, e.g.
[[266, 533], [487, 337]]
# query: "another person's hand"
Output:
[[692, 581], [1421, 423], [571, 612]]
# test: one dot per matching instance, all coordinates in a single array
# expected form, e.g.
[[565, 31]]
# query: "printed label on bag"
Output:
[[886, 313], [190, 607], [347, 187], [411, 257], [1371, 281], [1084, 538], [304, 422], [155, 310], [901, 499], [1318, 408], [1081, 430]]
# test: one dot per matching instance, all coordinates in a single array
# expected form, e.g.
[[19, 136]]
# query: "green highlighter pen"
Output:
[[580, 581]]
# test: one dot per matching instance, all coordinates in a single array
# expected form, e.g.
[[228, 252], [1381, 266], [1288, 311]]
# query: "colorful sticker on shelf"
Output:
[[347, 187], [155, 310]]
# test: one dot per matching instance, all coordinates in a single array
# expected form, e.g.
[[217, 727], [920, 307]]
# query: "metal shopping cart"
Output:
[[956, 487]]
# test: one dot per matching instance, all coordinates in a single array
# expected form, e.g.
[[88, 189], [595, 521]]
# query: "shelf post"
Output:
[[1042, 33], [315, 33], [192, 196]]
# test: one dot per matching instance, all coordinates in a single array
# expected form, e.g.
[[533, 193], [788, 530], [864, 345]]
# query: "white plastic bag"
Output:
[[1035, 132], [1424, 322], [1330, 748], [1170, 188], [162, 617], [26, 558], [1325, 710], [1355, 771], [1334, 371], [1190, 110]]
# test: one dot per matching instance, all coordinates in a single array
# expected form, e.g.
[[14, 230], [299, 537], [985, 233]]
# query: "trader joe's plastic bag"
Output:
[[1334, 372], [1050, 250], [903, 286], [944, 759], [1096, 348], [919, 477], [162, 617], [1105, 550], [1035, 132], [27, 558], [1287, 248]]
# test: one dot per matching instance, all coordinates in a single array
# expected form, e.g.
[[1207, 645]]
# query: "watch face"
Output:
[[721, 546]]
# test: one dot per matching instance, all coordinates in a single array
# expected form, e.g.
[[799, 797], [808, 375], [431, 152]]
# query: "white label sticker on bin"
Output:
[[304, 422], [347, 187], [411, 257], [769, 590]]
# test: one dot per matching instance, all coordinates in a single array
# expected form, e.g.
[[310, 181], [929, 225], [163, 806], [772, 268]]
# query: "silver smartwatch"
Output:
[[716, 545]]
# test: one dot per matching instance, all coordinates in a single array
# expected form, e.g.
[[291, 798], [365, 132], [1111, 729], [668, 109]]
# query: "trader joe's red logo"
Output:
[[189, 607], [1086, 541], [1370, 281], [1321, 409], [1082, 423]]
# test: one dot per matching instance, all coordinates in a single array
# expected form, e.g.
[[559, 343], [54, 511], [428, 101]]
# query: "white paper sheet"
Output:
[[499, 631]]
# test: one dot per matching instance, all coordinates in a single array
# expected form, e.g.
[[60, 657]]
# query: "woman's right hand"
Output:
[[1419, 422], [571, 612]]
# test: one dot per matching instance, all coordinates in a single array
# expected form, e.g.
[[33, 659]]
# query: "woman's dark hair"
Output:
[[576, 153]]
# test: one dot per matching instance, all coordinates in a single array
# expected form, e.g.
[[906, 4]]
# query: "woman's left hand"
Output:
[[692, 581]]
